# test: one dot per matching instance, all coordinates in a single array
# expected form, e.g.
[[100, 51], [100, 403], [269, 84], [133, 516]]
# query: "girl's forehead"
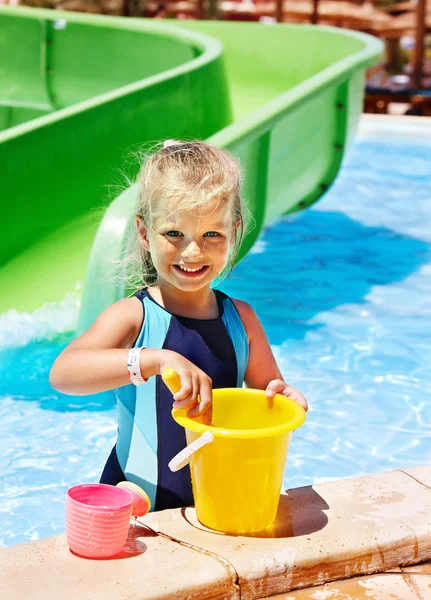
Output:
[[211, 212]]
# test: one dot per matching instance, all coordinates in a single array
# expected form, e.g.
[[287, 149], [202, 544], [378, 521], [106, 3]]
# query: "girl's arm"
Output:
[[262, 370], [97, 360]]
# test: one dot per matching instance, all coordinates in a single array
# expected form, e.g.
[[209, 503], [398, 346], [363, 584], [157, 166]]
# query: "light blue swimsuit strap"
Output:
[[238, 335], [137, 434]]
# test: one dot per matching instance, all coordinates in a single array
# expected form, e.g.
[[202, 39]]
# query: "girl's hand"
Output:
[[194, 383], [277, 386]]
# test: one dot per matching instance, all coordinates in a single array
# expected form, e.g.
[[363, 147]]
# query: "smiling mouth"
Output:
[[191, 271]]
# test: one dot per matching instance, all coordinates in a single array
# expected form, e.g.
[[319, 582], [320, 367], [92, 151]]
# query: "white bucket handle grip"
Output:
[[182, 458]]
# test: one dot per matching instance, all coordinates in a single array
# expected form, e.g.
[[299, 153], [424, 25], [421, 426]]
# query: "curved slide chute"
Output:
[[81, 93]]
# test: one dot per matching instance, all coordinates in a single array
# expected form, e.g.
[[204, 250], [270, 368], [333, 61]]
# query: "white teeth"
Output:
[[190, 270]]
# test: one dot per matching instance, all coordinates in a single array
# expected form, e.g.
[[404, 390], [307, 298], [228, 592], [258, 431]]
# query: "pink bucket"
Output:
[[97, 519]]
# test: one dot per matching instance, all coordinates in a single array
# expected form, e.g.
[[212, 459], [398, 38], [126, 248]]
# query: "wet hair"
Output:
[[187, 176]]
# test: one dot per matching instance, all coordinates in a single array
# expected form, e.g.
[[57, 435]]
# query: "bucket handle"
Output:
[[172, 380], [183, 458]]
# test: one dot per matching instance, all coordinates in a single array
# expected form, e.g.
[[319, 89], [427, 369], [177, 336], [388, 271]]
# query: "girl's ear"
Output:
[[235, 228], [142, 233]]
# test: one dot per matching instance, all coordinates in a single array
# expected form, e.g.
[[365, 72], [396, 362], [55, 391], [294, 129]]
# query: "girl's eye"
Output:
[[211, 234], [173, 233]]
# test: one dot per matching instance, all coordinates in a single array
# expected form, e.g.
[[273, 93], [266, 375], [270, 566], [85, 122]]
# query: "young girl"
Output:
[[190, 223]]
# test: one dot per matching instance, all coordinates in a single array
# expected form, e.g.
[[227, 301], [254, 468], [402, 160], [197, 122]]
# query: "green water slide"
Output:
[[80, 94]]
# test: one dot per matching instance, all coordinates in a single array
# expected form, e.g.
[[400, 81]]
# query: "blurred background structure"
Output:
[[400, 84]]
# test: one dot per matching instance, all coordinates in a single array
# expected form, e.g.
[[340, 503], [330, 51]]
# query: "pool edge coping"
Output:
[[388, 530]]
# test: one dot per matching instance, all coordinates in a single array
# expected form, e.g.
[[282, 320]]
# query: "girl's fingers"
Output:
[[187, 396], [276, 386], [195, 392], [208, 416], [186, 386], [296, 395], [205, 392], [183, 404]]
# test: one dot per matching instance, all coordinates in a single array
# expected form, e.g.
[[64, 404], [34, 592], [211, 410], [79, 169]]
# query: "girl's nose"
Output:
[[192, 251]]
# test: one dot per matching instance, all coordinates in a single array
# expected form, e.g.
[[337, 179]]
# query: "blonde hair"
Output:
[[191, 175]]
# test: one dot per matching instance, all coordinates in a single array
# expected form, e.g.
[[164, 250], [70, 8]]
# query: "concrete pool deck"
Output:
[[323, 533]]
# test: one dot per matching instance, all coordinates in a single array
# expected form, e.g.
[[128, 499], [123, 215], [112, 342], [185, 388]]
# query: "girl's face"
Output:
[[190, 248]]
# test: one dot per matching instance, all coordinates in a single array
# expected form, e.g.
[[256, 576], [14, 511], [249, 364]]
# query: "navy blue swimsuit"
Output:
[[148, 436]]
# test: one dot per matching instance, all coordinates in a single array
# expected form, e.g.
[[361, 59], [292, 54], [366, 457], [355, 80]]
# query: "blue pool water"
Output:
[[344, 292]]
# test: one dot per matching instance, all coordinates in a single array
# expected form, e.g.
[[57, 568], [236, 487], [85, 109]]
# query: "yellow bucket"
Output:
[[237, 476]]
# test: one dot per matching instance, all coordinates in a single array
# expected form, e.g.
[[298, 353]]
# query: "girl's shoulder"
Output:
[[133, 311], [244, 309], [125, 316], [246, 313], [250, 320], [128, 309], [116, 327]]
